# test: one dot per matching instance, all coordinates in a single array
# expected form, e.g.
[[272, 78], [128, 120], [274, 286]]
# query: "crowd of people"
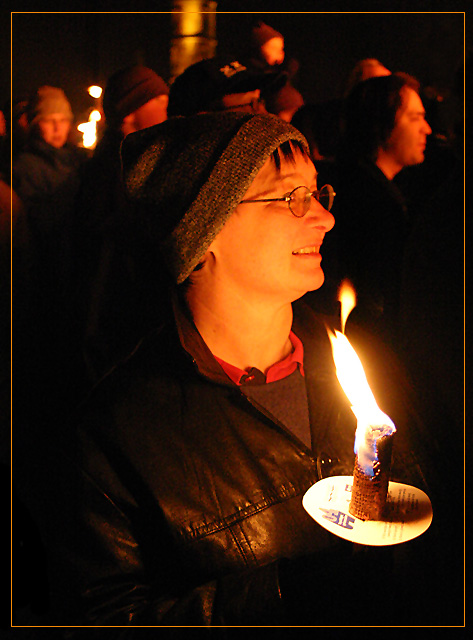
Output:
[[173, 385]]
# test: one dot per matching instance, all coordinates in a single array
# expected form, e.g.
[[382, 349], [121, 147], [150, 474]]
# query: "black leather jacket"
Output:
[[178, 496]]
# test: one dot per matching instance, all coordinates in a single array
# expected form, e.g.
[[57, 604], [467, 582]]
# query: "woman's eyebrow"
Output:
[[294, 174]]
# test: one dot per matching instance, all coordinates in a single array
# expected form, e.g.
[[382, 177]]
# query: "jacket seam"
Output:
[[243, 513]]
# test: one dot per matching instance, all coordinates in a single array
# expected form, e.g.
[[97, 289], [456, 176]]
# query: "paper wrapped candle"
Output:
[[371, 472]]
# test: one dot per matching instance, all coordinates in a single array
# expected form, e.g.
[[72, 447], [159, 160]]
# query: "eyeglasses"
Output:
[[299, 199]]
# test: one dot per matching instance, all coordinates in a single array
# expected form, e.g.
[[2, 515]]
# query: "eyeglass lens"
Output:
[[299, 202]]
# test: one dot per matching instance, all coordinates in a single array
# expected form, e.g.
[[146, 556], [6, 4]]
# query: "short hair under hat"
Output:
[[188, 174], [202, 85]]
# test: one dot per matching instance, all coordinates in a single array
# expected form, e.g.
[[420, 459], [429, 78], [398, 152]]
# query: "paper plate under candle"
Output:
[[408, 512]]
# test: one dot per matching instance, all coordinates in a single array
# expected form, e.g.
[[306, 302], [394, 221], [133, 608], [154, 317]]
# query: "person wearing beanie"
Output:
[[108, 266], [49, 110], [45, 176], [265, 51], [48, 160], [135, 98], [266, 54], [175, 499], [268, 42]]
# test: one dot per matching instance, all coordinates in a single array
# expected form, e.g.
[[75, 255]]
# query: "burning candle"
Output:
[[347, 298], [373, 438]]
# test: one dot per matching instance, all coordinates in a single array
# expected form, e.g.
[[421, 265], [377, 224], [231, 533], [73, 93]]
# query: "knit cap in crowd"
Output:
[[129, 89], [188, 174], [202, 86], [262, 33], [47, 101]]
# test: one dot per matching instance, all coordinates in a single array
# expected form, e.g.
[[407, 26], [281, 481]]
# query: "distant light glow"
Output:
[[89, 129], [95, 91]]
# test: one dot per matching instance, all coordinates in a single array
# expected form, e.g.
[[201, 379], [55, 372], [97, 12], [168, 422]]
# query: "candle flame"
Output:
[[372, 423], [347, 298]]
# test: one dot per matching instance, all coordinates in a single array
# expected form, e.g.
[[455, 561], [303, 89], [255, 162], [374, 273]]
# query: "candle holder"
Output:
[[408, 512]]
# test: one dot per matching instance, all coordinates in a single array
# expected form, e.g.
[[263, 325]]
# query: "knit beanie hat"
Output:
[[129, 89], [188, 174], [46, 101], [261, 33]]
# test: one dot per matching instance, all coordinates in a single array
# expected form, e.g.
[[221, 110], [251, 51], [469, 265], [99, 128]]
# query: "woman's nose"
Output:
[[320, 217]]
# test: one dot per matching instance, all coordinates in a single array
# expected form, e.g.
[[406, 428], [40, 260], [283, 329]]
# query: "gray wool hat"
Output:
[[188, 174], [46, 101]]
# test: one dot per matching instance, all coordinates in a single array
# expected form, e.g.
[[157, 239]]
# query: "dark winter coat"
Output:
[[179, 498]]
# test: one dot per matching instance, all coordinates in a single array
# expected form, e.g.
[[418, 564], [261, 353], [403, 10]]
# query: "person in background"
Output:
[[135, 98], [384, 131], [48, 166], [321, 123], [108, 258], [46, 375], [175, 498], [267, 45], [19, 124], [432, 317], [363, 70], [46, 175], [219, 84], [265, 53]]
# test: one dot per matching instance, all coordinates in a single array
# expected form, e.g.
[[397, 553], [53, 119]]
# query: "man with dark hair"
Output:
[[384, 130]]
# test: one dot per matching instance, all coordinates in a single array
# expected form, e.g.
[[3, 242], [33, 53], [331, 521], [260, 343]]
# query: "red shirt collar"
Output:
[[277, 371]]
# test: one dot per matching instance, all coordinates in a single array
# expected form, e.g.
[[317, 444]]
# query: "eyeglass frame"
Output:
[[287, 198]]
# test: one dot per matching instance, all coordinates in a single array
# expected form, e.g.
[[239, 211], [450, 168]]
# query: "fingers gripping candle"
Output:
[[375, 430]]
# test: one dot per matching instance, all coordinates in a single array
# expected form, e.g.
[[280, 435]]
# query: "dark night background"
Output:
[[78, 48]]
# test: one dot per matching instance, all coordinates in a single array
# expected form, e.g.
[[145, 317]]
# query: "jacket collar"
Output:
[[308, 326], [193, 343]]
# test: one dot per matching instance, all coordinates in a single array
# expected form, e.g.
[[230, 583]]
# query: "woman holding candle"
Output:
[[180, 489]]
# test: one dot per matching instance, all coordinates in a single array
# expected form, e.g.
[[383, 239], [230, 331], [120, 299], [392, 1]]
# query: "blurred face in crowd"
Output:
[[406, 144], [264, 253], [273, 51], [248, 101], [149, 114], [54, 129]]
